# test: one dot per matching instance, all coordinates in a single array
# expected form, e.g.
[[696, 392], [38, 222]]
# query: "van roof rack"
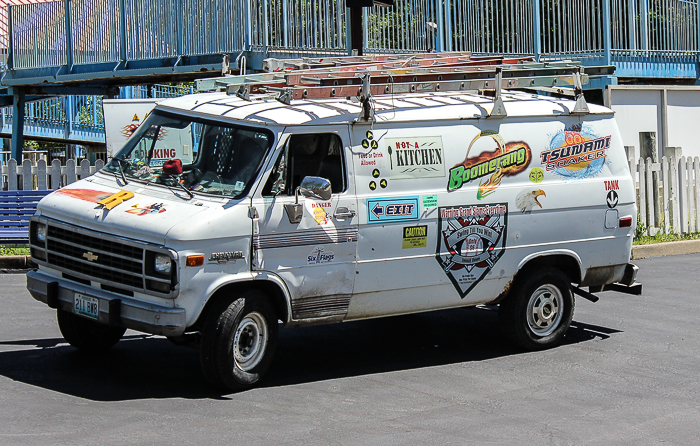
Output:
[[364, 76]]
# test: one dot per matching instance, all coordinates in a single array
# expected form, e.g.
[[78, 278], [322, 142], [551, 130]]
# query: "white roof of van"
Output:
[[405, 107]]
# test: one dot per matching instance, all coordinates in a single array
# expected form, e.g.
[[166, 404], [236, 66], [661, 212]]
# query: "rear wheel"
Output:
[[538, 311], [239, 340], [87, 335]]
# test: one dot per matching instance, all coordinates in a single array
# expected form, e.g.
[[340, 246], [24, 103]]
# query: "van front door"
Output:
[[310, 243]]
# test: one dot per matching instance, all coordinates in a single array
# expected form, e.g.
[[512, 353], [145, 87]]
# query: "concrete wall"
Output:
[[673, 112]]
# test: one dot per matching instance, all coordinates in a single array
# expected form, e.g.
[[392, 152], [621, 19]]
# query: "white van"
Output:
[[307, 213]]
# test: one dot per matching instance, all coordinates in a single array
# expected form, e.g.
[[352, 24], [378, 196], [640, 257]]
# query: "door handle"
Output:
[[343, 213]]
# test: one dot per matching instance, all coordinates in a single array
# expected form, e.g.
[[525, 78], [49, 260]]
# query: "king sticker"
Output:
[[471, 239]]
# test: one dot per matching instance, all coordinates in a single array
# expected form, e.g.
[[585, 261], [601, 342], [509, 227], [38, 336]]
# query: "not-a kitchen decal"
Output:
[[416, 157], [471, 239]]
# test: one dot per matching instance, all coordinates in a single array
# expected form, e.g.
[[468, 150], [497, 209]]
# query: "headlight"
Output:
[[41, 232], [163, 264]]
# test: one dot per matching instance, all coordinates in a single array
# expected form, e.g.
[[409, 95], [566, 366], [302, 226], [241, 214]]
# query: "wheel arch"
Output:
[[563, 259], [270, 284]]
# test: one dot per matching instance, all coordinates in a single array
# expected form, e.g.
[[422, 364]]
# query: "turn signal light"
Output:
[[626, 222], [195, 260]]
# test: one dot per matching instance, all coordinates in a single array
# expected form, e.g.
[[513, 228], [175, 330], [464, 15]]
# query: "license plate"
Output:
[[86, 306]]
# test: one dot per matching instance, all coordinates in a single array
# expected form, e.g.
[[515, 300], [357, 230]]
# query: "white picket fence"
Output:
[[678, 191], [677, 207], [40, 176]]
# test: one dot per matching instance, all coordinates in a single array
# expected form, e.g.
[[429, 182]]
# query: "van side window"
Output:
[[316, 155]]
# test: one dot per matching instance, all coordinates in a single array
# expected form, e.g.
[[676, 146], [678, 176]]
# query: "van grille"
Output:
[[98, 257], [117, 264]]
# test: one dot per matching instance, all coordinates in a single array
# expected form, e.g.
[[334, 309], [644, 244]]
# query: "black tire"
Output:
[[239, 341], [86, 335], [538, 311]]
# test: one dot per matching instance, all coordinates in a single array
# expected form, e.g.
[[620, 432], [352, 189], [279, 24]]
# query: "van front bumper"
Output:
[[114, 309]]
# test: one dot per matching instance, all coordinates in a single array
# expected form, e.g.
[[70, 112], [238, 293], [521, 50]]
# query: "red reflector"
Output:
[[626, 222]]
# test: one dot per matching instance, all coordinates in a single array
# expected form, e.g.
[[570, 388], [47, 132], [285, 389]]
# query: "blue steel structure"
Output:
[[58, 52], [76, 119]]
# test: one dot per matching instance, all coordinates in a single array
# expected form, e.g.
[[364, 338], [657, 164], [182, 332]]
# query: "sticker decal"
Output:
[[156, 208], [536, 175], [371, 159], [527, 199], [388, 210], [508, 159], [576, 153], [116, 199], [612, 184], [319, 212], [319, 255], [470, 241], [430, 201], [90, 195], [416, 157], [415, 237], [612, 199], [383, 183]]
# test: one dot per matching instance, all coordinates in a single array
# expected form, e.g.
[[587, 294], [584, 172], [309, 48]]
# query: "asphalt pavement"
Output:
[[626, 375]]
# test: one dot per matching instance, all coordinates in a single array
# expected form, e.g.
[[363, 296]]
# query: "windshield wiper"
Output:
[[189, 192], [121, 169]]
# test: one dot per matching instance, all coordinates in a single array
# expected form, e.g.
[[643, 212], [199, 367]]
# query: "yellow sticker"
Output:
[[115, 200], [415, 237], [320, 216], [136, 117], [536, 175]]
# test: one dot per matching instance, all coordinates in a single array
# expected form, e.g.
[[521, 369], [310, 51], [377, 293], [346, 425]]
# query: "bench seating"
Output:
[[16, 207]]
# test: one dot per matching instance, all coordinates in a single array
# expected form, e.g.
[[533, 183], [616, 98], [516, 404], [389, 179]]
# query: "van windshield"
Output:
[[202, 156]]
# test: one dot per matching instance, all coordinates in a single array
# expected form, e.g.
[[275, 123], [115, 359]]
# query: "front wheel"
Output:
[[238, 341], [538, 311], [86, 335]]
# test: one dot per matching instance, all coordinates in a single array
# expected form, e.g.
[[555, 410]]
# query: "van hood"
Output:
[[147, 213]]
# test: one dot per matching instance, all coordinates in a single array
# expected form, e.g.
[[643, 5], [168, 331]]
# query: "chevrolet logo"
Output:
[[90, 256]]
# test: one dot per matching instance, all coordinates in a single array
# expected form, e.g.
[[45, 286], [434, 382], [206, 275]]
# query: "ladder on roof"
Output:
[[367, 76]]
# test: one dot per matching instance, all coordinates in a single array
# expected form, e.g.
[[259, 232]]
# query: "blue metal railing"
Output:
[[71, 33], [79, 118]]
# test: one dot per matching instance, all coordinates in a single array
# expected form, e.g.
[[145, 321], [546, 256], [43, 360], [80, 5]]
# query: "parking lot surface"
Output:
[[627, 374]]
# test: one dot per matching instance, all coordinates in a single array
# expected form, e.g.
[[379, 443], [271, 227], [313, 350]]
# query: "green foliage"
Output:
[[90, 113], [13, 251], [662, 238], [641, 239]]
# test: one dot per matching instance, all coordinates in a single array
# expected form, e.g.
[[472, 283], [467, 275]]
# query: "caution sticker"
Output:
[[415, 237]]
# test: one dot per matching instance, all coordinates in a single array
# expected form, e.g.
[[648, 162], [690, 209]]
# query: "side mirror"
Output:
[[310, 187], [315, 187]]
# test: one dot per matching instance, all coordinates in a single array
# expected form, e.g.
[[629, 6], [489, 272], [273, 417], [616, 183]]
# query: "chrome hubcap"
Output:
[[249, 341], [544, 310]]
